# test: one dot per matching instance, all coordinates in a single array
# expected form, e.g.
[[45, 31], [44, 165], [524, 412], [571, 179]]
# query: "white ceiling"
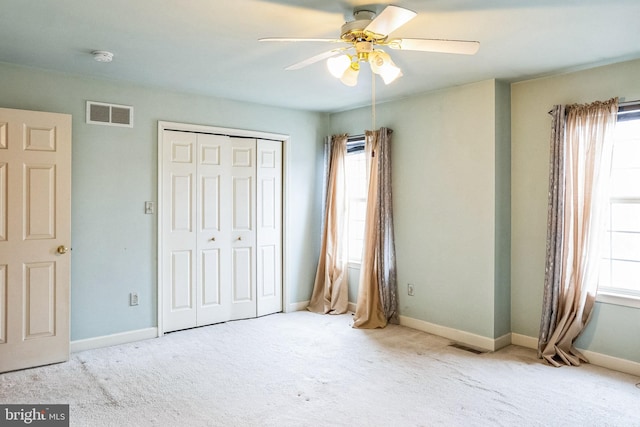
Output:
[[211, 47]]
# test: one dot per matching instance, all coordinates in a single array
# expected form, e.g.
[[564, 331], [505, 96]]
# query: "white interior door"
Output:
[[269, 227], [35, 234], [214, 229], [178, 229], [242, 204]]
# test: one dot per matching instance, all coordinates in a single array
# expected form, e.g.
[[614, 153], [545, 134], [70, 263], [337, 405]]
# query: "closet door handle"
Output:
[[239, 237], [213, 239]]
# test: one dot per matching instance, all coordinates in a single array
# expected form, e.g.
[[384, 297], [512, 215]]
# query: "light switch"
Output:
[[149, 208]]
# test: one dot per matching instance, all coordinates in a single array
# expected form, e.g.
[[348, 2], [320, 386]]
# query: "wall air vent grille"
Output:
[[100, 113]]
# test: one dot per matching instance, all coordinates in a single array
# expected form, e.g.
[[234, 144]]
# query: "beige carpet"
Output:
[[304, 369]]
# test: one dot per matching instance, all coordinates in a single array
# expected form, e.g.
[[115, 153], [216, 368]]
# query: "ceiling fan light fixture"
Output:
[[382, 65], [390, 75], [337, 65], [350, 76]]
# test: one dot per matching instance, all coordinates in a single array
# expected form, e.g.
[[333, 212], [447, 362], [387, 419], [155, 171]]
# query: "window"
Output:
[[356, 177], [620, 262]]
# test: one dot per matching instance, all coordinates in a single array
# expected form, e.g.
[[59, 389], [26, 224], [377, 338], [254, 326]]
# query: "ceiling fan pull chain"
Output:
[[373, 101]]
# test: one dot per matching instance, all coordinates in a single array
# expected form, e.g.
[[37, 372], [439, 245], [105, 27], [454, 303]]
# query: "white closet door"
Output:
[[221, 229], [242, 204], [178, 229], [214, 229], [269, 231]]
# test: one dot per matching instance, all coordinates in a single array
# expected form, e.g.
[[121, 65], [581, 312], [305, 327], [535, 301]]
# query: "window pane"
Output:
[[356, 166], [359, 209], [627, 130], [625, 183], [625, 275], [356, 225], [625, 246], [355, 251], [626, 154], [625, 217], [605, 245]]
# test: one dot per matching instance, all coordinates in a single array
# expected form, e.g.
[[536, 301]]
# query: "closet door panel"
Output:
[[241, 276], [181, 280], [269, 227], [210, 196], [242, 204], [178, 231], [210, 277], [243, 228], [214, 223], [181, 202], [267, 272]]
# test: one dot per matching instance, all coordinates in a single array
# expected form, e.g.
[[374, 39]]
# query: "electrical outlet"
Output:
[[410, 289], [133, 298]]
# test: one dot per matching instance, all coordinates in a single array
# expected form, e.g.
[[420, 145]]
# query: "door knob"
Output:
[[240, 238], [62, 249], [213, 239]]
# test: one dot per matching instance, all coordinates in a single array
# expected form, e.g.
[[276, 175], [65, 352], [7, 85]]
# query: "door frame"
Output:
[[242, 133]]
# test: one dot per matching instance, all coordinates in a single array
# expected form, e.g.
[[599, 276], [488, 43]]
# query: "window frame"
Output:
[[611, 294]]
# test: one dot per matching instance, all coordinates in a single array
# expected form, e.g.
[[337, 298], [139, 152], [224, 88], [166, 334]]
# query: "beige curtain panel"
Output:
[[377, 291], [581, 147], [330, 290]]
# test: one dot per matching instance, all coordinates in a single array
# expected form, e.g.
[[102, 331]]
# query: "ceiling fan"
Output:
[[364, 35]]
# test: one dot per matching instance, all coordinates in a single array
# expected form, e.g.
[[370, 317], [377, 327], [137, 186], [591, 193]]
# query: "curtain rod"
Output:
[[628, 103], [620, 104]]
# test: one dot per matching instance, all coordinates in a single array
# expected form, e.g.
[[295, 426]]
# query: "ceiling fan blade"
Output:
[[293, 39], [463, 47], [389, 20], [316, 58]]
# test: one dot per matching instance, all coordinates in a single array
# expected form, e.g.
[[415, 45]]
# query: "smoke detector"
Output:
[[102, 56]]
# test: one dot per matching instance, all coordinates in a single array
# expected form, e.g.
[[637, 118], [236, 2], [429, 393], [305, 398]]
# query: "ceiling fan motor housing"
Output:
[[354, 31], [364, 46]]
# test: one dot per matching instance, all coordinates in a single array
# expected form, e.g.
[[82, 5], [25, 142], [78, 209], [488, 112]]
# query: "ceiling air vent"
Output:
[[99, 113]]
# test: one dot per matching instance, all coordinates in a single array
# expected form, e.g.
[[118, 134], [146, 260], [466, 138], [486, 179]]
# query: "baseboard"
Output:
[[610, 362], [524, 341], [502, 341], [597, 359], [115, 339], [297, 306], [463, 337]]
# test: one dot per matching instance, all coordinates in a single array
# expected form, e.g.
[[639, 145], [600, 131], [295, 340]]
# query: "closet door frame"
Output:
[[186, 127]]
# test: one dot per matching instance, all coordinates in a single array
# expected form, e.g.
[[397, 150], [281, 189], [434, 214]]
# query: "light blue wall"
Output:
[[115, 172], [613, 330], [502, 258], [445, 148]]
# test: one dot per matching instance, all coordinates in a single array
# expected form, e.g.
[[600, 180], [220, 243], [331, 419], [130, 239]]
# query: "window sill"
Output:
[[618, 299], [354, 265]]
